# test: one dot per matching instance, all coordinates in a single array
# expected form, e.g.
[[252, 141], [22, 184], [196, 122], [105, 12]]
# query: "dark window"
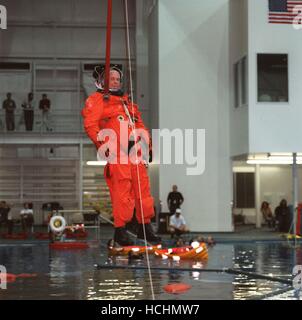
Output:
[[14, 66], [272, 77], [244, 190]]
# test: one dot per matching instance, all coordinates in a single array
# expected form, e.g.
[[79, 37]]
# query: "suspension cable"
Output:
[[135, 138], [108, 48]]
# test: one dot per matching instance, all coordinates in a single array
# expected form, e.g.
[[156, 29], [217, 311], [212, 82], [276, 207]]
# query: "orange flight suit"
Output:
[[123, 179]]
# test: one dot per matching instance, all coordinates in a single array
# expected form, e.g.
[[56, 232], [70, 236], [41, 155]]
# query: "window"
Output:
[[6, 66], [244, 185], [240, 85], [272, 77]]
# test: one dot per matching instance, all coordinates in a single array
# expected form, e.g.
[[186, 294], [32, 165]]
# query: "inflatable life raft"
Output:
[[15, 236], [197, 251], [42, 235], [177, 288], [10, 277], [68, 245], [79, 234], [124, 251]]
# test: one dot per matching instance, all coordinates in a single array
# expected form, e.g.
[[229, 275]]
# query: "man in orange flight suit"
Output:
[[110, 123]]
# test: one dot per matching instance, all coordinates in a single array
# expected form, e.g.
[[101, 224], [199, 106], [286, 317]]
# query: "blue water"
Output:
[[73, 275]]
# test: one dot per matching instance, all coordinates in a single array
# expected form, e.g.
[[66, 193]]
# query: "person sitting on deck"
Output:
[[27, 217], [177, 224], [267, 214]]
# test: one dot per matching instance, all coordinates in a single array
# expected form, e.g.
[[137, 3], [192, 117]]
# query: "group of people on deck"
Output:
[[281, 219]]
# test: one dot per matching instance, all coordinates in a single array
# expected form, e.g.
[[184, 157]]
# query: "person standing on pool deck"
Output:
[[174, 200]]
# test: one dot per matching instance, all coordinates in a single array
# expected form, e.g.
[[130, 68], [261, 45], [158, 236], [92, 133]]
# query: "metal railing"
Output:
[[58, 122]]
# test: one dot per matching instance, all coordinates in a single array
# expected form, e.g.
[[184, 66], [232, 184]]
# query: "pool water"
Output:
[[73, 274]]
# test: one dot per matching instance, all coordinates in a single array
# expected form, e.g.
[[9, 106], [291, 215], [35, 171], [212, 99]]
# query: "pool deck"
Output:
[[247, 233]]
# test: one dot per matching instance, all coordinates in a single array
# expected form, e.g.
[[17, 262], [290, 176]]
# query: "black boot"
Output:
[[121, 237], [150, 235]]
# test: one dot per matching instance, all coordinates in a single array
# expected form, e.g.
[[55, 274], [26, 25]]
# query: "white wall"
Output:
[[69, 28], [194, 93], [274, 126], [153, 64]]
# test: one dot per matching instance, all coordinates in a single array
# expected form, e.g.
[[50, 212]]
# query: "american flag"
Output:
[[282, 11]]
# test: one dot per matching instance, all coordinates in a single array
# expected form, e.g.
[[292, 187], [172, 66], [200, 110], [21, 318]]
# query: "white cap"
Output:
[[178, 210]]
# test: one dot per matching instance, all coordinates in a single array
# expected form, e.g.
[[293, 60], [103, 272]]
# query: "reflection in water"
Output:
[[72, 274], [274, 259], [115, 289]]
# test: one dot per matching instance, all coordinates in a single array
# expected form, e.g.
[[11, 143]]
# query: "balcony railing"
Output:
[[64, 121]]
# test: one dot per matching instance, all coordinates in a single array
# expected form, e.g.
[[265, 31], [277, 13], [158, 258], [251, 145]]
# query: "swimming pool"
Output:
[[73, 274]]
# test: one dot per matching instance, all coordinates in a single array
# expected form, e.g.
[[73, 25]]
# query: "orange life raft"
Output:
[[15, 236], [198, 251], [66, 245], [42, 235], [10, 277], [177, 288], [76, 235], [124, 251]]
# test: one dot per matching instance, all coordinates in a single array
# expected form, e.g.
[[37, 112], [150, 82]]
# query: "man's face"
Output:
[[8, 95], [174, 188], [114, 80]]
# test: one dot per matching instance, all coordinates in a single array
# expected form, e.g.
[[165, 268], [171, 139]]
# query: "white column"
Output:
[[194, 87], [258, 196]]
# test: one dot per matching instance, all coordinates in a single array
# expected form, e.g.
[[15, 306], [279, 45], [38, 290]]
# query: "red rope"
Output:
[[108, 47]]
